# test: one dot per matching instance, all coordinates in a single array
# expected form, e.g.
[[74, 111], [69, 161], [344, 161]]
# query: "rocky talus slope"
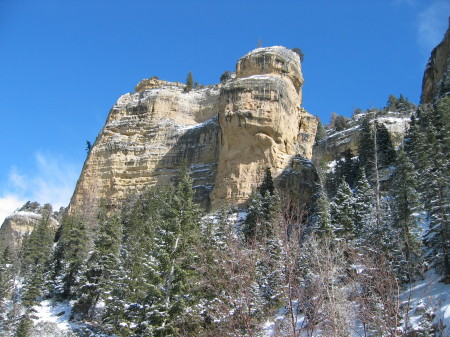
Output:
[[227, 134]]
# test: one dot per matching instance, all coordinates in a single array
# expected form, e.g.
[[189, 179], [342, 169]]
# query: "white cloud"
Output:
[[55, 182], [52, 181], [433, 22], [17, 179], [8, 204]]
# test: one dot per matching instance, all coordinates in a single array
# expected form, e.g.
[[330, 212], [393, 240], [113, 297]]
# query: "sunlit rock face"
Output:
[[227, 134], [262, 124], [22, 222], [146, 138]]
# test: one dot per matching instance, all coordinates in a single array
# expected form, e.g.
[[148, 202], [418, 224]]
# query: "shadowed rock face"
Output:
[[436, 79], [227, 133]]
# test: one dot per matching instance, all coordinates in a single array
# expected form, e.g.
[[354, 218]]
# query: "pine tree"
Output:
[[342, 213], [6, 285], [178, 234], [366, 148], [434, 146], [391, 103], [385, 149], [24, 327], [404, 204], [404, 105], [262, 210], [37, 251], [321, 215], [320, 133], [189, 82], [364, 211], [70, 256], [346, 169], [6, 274], [97, 280], [156, 272], [135, 274]]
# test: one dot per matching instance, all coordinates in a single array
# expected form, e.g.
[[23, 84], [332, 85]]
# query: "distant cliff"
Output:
[[22, 222], [227, 134], [436, 79]]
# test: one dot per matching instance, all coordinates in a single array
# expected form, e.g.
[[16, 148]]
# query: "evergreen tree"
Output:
[[321, 215], [6, 274], [176, 239], [342, 213], [338, 122], [156, 271], [70, 255], [346, 169], [267, 184], [320, 133], [366, 148], [6, 285], [385, 149], [404, 204], [262, 210], [299, 52], [97, 280], [189, 82], [404, 105], [136, 273], [364, 210], [391, 103], [434, 146], [37, 251], [24, 327]]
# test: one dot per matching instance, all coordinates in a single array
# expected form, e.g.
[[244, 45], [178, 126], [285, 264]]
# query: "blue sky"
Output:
[[63, 64]]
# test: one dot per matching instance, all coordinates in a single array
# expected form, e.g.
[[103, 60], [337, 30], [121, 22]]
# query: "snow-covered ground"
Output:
[[429, 300], [53, 312]]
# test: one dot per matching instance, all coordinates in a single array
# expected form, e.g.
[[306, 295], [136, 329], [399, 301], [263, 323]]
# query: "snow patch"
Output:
[[54, 312], [26, 214]]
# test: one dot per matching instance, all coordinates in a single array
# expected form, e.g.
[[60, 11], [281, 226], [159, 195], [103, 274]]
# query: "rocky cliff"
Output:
[[227, 133], [22, 222], [436, 79], [336, 142]]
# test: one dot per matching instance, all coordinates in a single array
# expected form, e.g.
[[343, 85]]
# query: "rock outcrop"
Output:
[[22, 222], [436, 79], [336, 142], [227, 133], [262, 124]]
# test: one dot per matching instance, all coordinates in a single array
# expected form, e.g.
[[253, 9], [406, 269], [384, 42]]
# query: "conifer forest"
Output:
[[158, 266]]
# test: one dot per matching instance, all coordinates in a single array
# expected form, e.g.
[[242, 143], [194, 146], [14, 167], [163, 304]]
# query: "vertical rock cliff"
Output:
[[227, 133], [436, 79], [262, 124]]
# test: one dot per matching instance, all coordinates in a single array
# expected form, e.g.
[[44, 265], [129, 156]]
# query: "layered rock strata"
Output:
[[227, 133], [18, 225], [262, 124]]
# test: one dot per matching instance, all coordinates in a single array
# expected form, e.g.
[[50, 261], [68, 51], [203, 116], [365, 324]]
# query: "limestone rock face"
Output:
[[332, 146], [436, 79], [261, 121], [146, 138], [272, 61], [227, 133], [17, 225]]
